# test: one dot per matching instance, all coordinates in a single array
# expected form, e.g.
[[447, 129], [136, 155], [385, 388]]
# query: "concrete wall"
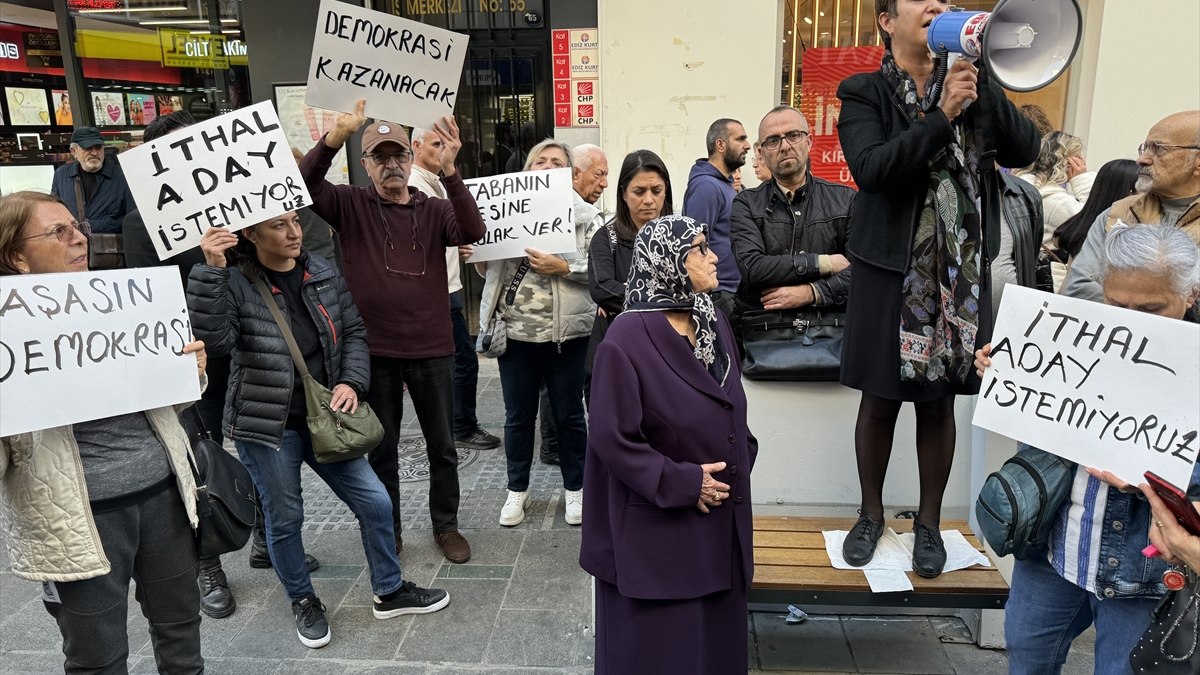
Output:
[[671, 67], [1137, 64]]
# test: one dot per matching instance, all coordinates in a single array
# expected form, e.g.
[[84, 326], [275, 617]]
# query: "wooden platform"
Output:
[[791, 566]]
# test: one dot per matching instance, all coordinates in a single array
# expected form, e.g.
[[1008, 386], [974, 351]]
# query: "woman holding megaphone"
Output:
[[924, 227]]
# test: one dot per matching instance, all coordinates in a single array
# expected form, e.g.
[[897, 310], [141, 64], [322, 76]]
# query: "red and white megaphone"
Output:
[[1025, 44]]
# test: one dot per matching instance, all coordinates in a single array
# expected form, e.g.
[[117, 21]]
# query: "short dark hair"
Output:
[[884, 7], [161, 126], [635, 163], [717, 131]]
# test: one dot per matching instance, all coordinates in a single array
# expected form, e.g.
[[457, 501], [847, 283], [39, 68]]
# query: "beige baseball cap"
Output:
[[381, 132]]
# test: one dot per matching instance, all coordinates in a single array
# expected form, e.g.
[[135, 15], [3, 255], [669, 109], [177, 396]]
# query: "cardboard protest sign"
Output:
[[408, 71], [1103, 386], [88, 345], [531, 209], [231, 171]]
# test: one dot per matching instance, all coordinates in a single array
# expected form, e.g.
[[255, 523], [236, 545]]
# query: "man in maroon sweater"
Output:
[[393, 240]]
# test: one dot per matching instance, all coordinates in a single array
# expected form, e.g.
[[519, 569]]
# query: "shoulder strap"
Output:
[[284, 328], [612, 236], [511, 296], [79, 200]]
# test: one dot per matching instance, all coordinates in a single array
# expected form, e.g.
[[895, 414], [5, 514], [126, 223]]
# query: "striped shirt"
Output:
[[1075, 539]]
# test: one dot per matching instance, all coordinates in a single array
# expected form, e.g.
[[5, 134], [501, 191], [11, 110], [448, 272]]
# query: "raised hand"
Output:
[[214, 243], [447, 132], [346, 125]]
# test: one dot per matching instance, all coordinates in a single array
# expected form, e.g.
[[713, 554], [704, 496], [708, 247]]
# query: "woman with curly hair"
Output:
[[1060, 174]]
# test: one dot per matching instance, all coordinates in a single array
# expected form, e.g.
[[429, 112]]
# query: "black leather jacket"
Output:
[[229, 315], [778, 244], [1022, 207]]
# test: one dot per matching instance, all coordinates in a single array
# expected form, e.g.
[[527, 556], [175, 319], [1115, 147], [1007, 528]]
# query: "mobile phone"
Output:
[[1177, 501]]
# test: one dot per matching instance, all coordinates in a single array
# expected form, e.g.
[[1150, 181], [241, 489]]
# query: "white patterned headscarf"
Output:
[[659, 282]]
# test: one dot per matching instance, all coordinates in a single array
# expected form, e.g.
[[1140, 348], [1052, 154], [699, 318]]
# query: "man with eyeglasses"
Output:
[[1169, 194], [789, 233], [709, 199], [394, 239], [93, 188]]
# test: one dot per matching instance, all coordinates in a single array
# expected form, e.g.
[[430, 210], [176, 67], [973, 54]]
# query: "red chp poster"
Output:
[[824, 70]]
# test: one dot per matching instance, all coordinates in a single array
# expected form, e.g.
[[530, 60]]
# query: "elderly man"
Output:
[[94, 189], [427, 162], [789, 234], [394, 239], [709, 200], [1169, 194]]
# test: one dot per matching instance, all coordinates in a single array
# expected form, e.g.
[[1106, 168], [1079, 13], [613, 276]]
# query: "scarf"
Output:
[[939, 315], [659, 282]]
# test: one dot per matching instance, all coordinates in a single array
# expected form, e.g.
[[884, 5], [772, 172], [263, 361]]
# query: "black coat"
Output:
[[775, 248], [229, 315], [1022, 205], [889, 157]]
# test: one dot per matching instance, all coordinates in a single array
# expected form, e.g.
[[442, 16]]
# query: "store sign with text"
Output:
[[470, 14], [575, 65], [181, 49], [824, 70]]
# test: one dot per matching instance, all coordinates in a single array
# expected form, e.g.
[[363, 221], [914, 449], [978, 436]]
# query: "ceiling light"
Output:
[[181, 22], [122, 10], [808, 20]]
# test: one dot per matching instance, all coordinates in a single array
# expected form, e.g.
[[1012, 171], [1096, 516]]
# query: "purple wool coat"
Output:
[[656, 415]]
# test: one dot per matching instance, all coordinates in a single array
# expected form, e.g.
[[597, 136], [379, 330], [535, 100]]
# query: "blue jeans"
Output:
[[524, 367], [276, 474], [1045, 613], [466, 369]]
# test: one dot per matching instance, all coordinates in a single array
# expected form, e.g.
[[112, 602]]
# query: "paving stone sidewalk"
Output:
[[520, 606]]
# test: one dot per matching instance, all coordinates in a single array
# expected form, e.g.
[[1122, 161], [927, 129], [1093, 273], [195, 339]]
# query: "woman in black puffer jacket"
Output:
[[265, 410]]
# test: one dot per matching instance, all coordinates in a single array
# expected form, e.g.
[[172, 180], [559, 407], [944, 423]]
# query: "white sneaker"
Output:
[[514, 508], [574, 506]]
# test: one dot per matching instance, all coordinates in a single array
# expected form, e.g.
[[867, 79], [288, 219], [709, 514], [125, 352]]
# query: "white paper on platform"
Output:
[[1102, 386], [530, 209], [893, 557], [87, 345], [408, 71]]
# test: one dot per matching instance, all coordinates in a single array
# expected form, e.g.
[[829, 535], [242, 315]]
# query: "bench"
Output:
[[791, 566]]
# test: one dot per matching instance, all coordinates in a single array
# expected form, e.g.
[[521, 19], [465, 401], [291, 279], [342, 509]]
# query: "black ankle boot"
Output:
[[216, 600], [929, 553], [859, 546]]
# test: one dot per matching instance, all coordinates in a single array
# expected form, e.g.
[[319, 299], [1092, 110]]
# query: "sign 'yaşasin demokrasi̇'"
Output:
[[408, 71], [530, 209], [230, 171], [1103, 386], [87, 345]]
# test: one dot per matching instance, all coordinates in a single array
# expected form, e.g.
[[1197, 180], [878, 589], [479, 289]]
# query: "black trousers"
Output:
[[152, 544], [430, 385]]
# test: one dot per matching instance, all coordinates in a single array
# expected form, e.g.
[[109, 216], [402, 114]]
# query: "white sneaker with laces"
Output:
[[574, 515], [514, 508]]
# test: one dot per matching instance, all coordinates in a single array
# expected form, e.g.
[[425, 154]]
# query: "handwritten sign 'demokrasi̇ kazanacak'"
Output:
[[408, 71], [1103, 386]]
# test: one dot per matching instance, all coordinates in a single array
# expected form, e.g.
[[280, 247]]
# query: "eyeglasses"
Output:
[[391, 250], [1154, 148], [65, 232], [792, 137], [702, 246], [383, 158]]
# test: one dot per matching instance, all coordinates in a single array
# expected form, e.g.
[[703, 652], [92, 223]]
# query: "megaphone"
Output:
[[1025, 44]]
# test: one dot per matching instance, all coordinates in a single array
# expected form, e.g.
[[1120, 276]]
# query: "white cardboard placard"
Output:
[[230, 171], [408, 72], [1102, 386], [87, 345], [530, 209]]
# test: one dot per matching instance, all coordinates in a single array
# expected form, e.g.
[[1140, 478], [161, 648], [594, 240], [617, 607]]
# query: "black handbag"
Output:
[[1043, 273], [224, 496], [106, 250], [1171, 644], [795, 345]]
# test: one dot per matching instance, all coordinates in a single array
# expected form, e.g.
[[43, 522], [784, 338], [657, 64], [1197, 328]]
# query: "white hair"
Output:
[[418, 134], [583, 155], [1161, 250]]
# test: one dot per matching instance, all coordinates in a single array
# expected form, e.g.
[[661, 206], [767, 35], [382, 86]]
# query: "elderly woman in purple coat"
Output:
[[667, 479]]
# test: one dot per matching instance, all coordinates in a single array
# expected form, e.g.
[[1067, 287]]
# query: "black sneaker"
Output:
[[311, 626], [412, 599], [859, 546], [477, 439], [929, 553], [216, 600], [261, 559]]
